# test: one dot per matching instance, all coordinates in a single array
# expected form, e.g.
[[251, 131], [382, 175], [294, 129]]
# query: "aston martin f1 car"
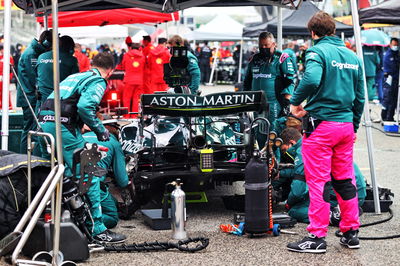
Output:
[[203, 141]]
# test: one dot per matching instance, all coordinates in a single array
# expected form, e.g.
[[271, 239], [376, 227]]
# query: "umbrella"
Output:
[[374, 37], [227, 43]]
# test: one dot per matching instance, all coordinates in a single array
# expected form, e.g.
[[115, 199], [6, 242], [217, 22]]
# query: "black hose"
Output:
[[386, 133], [339, 234], [182, 245], [380, 221]]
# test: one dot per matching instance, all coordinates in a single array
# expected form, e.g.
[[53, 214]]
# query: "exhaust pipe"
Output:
[[199, 142]]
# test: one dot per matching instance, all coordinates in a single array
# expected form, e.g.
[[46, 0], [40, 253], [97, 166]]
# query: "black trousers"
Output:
[[389, 102], [205, 71]]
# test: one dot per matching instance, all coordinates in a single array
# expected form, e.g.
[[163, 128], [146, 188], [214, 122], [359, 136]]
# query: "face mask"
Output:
[[265, 52], [395, 48]]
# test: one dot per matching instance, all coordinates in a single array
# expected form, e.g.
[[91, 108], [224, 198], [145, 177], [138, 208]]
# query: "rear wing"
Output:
[[187, 105]]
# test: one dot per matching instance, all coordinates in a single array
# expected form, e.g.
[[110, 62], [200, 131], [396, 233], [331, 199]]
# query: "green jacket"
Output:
[[27, 74], [265, 76], [371, 60], [298, 198], [89, 86], [114, 160], [333, 83], [194, 72], [44, 70], [292, 55]]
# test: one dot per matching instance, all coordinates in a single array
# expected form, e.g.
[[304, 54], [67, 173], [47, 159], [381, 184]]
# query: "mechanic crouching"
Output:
[[102, 201], [80, 95]]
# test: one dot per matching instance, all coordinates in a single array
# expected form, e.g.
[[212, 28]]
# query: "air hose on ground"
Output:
[[182, 245], [339, 234]]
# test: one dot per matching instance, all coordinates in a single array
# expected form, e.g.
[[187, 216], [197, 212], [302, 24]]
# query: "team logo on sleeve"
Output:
[[311, 55]]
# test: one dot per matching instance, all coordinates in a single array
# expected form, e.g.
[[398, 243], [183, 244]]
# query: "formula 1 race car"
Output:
[[204, 141]]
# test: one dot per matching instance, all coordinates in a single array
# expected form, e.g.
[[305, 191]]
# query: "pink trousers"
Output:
[[328, 160]]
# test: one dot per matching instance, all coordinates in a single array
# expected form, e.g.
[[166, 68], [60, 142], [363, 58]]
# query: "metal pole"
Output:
[[279, 28], [52, 163], [57, 113], [179, 23], [29, 168], [342, 35], [367, 118], [166, 30], [46, 22], [214, 66], [398, 102], [6, 74], [38, 30], [240, 61]]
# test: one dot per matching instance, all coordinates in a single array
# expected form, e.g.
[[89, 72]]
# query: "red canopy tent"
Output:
[[109, 17]]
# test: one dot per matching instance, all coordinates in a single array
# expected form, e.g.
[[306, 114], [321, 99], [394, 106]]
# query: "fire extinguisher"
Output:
[[178, 211]]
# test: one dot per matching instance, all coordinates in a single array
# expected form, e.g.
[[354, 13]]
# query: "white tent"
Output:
[[221, 28], [95, 32], [176, 30], [138, 37]]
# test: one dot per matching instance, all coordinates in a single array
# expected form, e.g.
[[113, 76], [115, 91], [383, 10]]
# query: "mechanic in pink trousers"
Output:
[[333, 86]]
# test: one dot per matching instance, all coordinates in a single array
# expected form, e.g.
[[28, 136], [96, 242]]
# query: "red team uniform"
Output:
[[155, 66], [133, 63]]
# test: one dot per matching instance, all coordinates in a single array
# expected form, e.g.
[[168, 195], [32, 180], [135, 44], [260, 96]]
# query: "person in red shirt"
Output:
[[146, 49], [83, 60], [1, 79], [133, 63], [147, 46], [155, 66]]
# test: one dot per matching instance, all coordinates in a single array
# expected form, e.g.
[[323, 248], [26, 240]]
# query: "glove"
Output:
[[105, 136], [285, 107]]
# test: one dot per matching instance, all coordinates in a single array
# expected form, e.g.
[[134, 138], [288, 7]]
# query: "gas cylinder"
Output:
[[256, 198], [178, 212]]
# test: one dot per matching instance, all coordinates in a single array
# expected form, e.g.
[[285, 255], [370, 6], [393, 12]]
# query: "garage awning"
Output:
[[40, 6], [110, 17]]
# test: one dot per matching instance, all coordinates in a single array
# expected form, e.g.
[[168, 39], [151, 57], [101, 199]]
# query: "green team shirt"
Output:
[[44, 69], [333, 83], [292, 55], [262, 75], [27, 73], [371, 60], [194, 71], [90, 87]]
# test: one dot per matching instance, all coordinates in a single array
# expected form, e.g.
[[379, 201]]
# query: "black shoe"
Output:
[[109, 237], [334, 217], [350, 239], [309, 244]]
